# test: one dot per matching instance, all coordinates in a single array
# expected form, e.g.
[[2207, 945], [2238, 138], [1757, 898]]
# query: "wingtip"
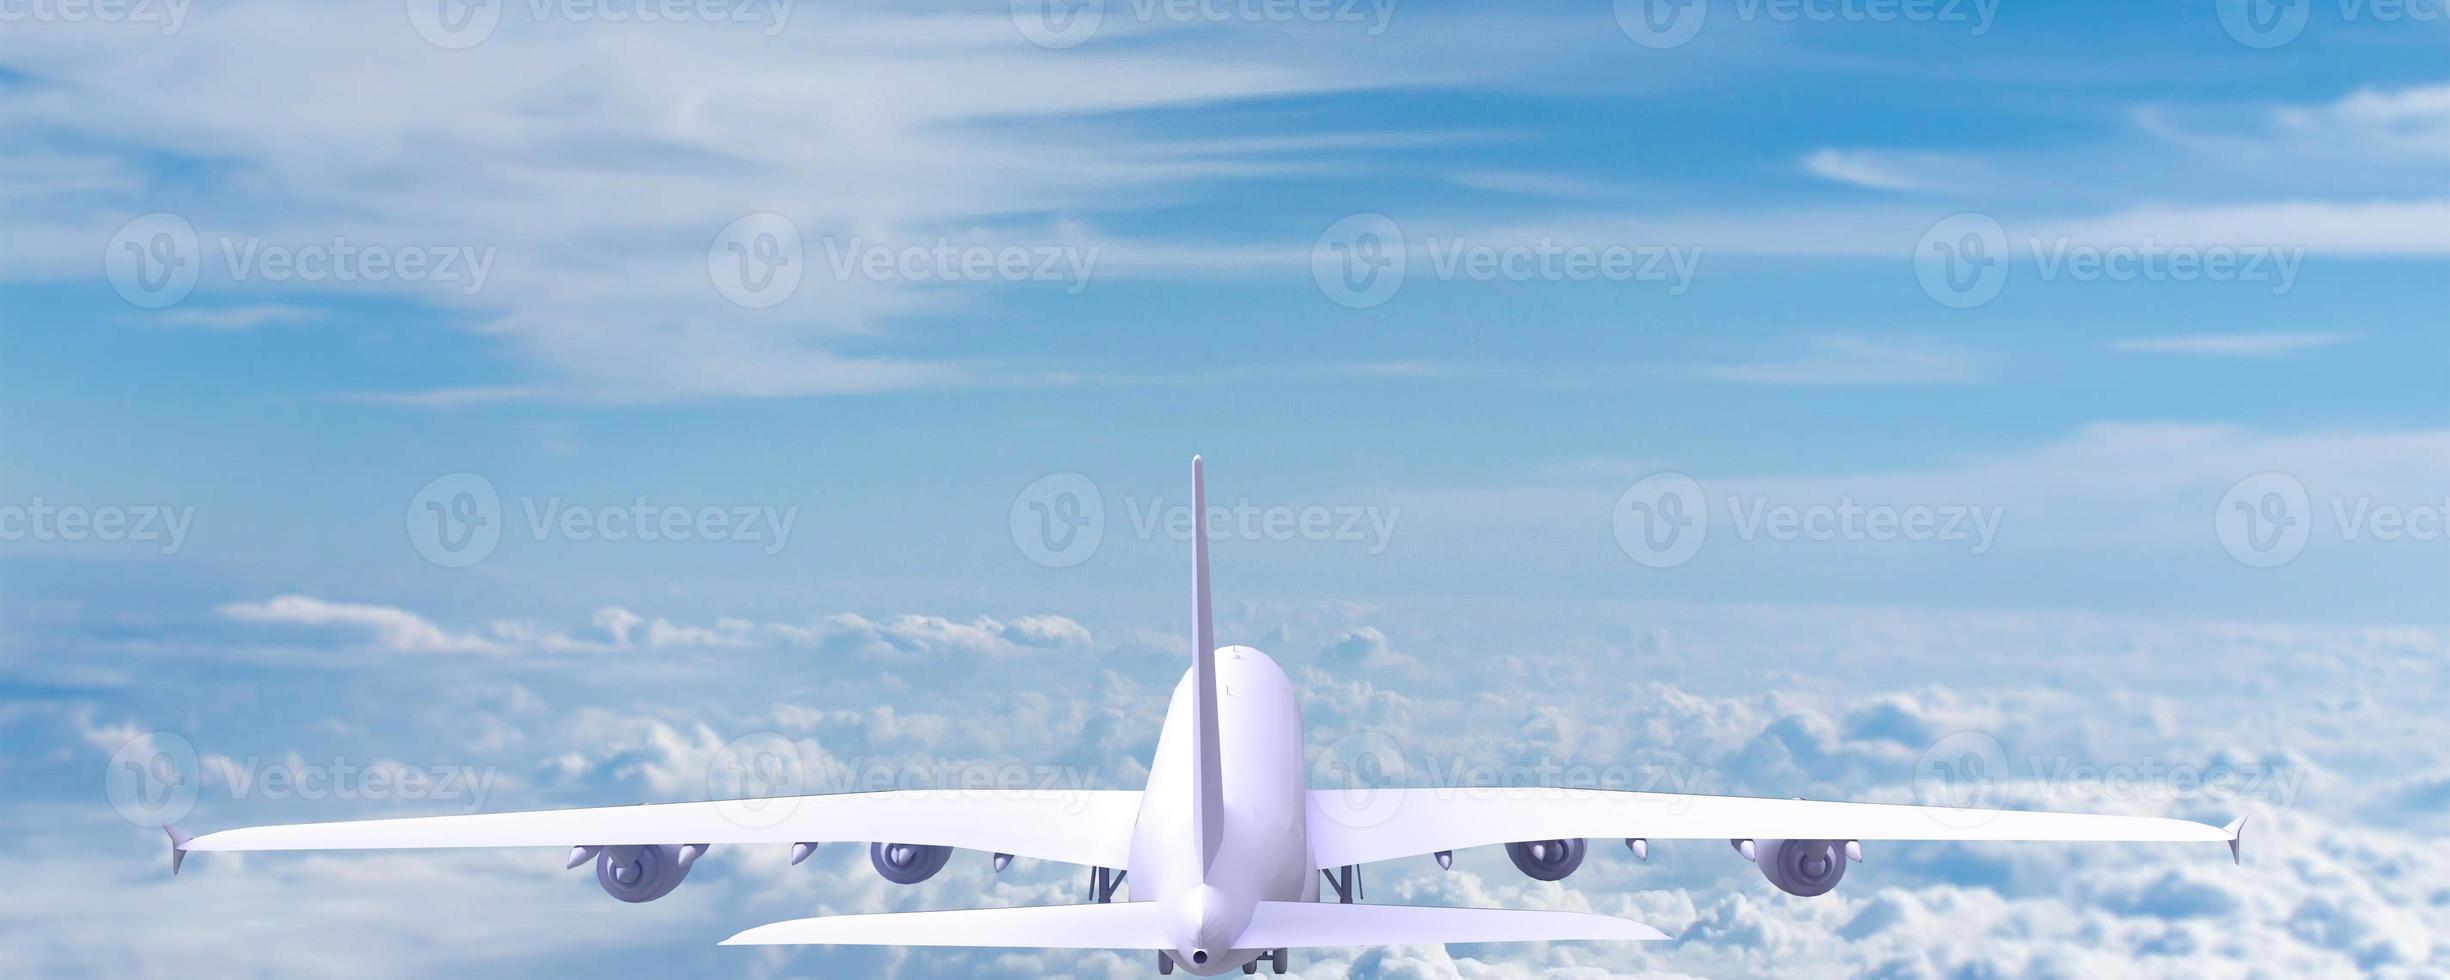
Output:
[[178, 847], [2236, 831]]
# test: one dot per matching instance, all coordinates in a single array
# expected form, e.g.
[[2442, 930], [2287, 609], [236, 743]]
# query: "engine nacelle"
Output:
[[908, 864], [1547, 860], [645, 872], [1802, 868]]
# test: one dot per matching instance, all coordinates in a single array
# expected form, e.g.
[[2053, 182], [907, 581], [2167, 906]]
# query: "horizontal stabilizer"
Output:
[[1118, 925], [1136, 925], [1298, 924]]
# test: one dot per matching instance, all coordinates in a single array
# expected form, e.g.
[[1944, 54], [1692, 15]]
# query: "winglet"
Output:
[[2235, 830], [178, 847]]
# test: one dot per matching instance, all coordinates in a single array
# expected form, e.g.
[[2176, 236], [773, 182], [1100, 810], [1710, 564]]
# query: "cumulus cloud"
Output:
[[388, 628]]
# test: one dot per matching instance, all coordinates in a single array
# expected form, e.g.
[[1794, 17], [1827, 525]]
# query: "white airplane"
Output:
[[1226, 846]]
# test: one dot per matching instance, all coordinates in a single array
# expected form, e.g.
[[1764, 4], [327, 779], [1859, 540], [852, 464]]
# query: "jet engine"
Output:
[[908, 864], [1547, 860], [644, 873], [1803, 868]]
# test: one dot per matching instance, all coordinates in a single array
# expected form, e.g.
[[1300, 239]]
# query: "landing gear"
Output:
[[1275, 959], [1165, 963], [1346, 881]]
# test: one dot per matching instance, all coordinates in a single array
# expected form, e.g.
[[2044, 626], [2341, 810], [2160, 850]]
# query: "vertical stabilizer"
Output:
[[1208, 816]]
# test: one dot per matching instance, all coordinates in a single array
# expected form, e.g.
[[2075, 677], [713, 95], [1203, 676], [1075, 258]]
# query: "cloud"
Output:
[[2271, 344], [1879, 171], [600, 203], [1851, 360], [390, 629], [616, 629], [234, 317]]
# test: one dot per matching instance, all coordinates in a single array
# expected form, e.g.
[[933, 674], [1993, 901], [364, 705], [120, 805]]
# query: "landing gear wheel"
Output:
[[1276, 961], [1165, 963], [1251, 967]]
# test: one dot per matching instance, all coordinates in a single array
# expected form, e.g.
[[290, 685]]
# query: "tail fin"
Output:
[[1207, 765]]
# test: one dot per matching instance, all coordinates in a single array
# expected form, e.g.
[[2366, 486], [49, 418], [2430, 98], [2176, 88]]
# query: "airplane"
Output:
[[1226, 845]]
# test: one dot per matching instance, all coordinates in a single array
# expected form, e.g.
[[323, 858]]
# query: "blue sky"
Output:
[[2111, 457]]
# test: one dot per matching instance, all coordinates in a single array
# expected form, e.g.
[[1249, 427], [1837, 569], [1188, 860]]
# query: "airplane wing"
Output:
[[1091, 827], [1357, 826]]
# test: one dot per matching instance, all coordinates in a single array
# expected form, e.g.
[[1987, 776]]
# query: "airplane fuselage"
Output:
[[1264, 855]]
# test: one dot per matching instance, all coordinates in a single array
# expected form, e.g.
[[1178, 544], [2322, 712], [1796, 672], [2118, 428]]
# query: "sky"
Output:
[[441, 406]]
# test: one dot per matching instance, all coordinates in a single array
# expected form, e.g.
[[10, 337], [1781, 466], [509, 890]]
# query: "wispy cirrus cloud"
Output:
[[1848, 360], [2263, 344]]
